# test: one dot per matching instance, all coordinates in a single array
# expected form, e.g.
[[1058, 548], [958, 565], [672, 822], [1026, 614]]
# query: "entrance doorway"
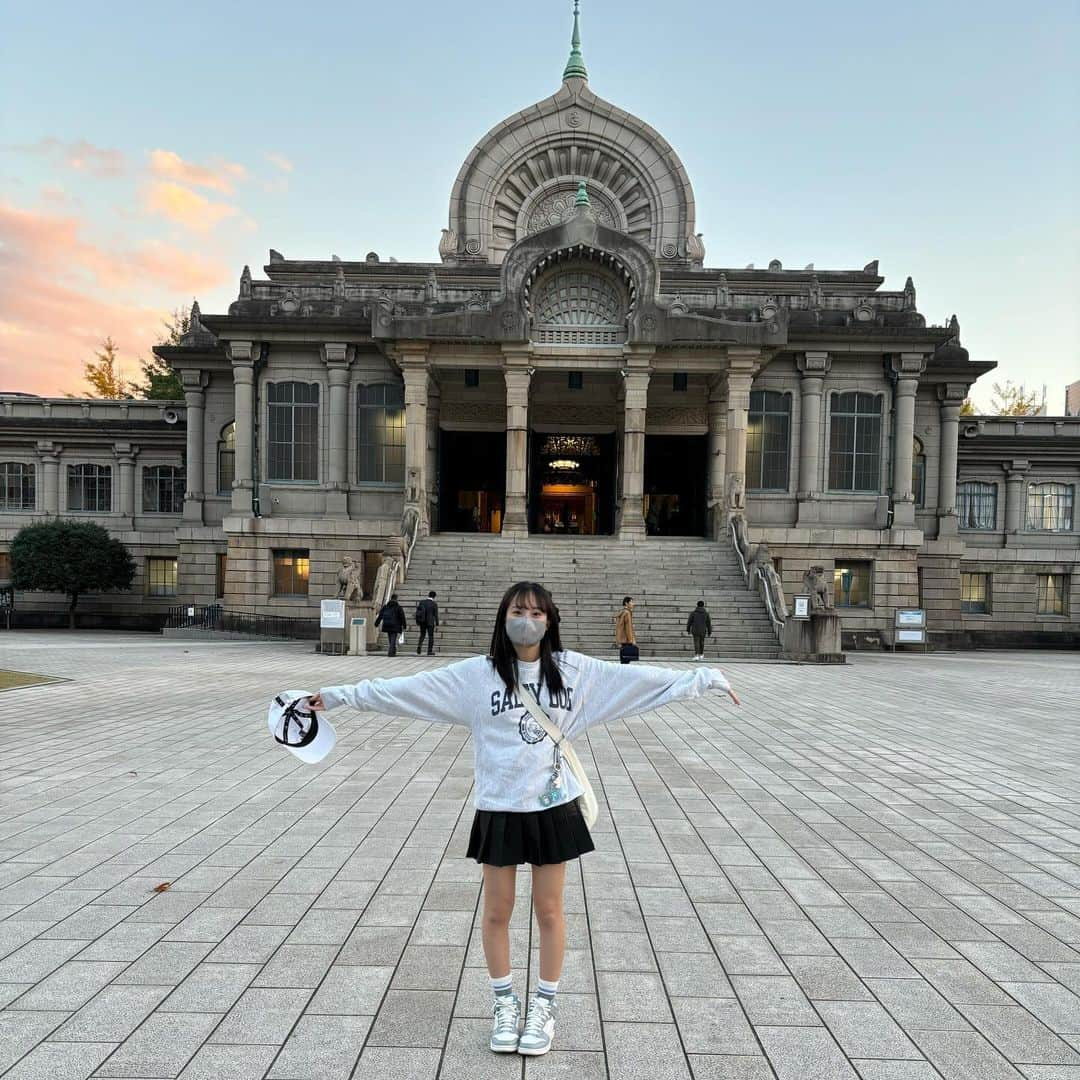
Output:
[[572, 484], [472, 480], [675, 485]]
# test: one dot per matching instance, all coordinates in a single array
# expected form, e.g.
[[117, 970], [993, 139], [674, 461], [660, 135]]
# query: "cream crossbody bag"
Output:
[[587, 803]]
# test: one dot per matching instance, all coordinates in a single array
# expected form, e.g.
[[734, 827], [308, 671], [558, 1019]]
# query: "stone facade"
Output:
[[572, 308]]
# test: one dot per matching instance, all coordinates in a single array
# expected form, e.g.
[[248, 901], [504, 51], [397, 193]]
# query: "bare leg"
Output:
[[498, 907], [548, 882]]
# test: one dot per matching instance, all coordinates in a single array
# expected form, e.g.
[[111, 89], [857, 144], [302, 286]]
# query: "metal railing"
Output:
[[252, 623]]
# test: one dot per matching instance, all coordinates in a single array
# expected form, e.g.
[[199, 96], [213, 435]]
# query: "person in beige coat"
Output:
[[624, 631]]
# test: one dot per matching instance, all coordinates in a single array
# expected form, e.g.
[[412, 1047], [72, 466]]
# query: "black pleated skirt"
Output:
[[539, 837]]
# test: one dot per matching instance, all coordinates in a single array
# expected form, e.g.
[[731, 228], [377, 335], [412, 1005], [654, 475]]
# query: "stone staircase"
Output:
[[588, 577]]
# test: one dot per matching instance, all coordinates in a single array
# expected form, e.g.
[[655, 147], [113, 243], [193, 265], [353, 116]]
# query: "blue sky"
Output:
[[942, 140]]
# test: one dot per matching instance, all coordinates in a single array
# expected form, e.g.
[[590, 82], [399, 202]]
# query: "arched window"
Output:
[[226, 458], [918, 472], [855, 442], [90, 488], [768, 441], [163, 489], [1050, 507], [16, 486], [976, 504], [292, 441], [380, 433], [578, 306]]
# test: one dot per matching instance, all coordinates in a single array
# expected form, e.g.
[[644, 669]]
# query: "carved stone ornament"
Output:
[[245, 284], [474, 412], [678, 306], [558, 207], [769, 308], [448, 245], [723, 293], [508, 322], [574, 118], [339, 282], [864, 311], [815, 584], [695, 248], [350, 580], [736, 488], [692, 417], [669, 250], [473, 247], [648, 324]]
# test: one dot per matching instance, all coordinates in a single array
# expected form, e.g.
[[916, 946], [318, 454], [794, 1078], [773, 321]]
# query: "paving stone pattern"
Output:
[[869, 872]]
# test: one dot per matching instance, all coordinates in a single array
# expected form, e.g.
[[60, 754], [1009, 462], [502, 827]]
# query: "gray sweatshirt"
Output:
[[512, 753]]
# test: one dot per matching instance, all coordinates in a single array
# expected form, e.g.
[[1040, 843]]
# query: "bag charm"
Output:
[[554, 792]]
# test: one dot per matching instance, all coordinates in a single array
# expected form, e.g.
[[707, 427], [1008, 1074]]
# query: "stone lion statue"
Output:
[[764, 566], [350, 580], [735, 490], [815, 584]]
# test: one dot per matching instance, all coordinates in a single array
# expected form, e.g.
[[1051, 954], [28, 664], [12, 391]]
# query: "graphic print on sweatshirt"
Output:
[[529, 730]]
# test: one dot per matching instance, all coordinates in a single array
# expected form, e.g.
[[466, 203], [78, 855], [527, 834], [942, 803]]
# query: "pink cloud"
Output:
[[220, 176], [282, 162], [81, 155], [186, 207], [56, 307]]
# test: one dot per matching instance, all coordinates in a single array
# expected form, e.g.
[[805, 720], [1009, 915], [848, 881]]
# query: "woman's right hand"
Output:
[[315, 702]]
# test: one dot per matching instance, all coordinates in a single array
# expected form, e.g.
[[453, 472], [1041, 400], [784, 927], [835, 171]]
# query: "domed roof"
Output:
[[523, 175]]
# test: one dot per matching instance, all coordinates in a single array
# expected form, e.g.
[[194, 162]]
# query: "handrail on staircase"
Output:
[[755, 576]]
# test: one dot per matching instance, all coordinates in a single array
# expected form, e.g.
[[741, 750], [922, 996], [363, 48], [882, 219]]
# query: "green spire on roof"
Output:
[[575, 66], [582, 195]]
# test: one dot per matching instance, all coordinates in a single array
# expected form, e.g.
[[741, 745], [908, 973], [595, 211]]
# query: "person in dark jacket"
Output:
[[699, 625], [427, 618], [392, 620]]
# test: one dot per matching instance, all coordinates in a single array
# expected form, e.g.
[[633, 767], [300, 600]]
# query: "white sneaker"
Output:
[[504, 1031], [539, 1027]]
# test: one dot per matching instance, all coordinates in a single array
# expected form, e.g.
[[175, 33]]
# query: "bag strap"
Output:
[[538, 714]]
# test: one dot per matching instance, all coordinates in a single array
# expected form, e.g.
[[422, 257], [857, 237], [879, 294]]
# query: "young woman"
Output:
[[526, 808]]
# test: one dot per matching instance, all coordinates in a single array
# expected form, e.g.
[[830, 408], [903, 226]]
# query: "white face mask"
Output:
[[525, 631]]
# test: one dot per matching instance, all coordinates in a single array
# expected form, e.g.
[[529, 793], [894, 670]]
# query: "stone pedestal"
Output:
[[815, 640]]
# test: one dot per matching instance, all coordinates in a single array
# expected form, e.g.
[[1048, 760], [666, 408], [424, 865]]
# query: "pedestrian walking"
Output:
[[624, 632], [527, 807], [392, 619], [427, 618], [699, 625]]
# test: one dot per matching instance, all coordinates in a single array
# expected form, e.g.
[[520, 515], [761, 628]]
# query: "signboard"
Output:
[[910, 617], [912, 637], [191, 613], [332, 615], [802, 607], [7, 597]]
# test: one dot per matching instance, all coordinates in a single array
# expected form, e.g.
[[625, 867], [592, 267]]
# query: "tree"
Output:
[[968, 407], [72, 557], [1012, 400], [161, 382], [104, 374]]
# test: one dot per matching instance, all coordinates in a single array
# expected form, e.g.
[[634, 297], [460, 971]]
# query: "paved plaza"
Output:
[[869, 871]]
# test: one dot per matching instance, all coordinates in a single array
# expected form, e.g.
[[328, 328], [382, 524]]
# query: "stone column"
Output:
[[814, 367], [49, 453], [336, 358], [432, 463], [243, 367], [908, 368], [951, 397], [195, 484], [125, 459], [1015, 477], [635, 406], [415, 372], [516, 515], [742, 366], [717, 411]]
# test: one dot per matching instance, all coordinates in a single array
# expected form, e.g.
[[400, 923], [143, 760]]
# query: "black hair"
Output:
[[701, 603], [502, 654], [432, 594], [393, 596], [626, 600]]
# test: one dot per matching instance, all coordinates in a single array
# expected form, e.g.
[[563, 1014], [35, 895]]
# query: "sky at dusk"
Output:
[[149, 151]]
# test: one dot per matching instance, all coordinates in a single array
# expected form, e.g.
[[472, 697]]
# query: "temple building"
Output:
[[571, 365]]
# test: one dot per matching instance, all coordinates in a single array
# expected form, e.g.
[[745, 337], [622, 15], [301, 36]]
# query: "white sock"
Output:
[[503, 985], [547, 989]]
